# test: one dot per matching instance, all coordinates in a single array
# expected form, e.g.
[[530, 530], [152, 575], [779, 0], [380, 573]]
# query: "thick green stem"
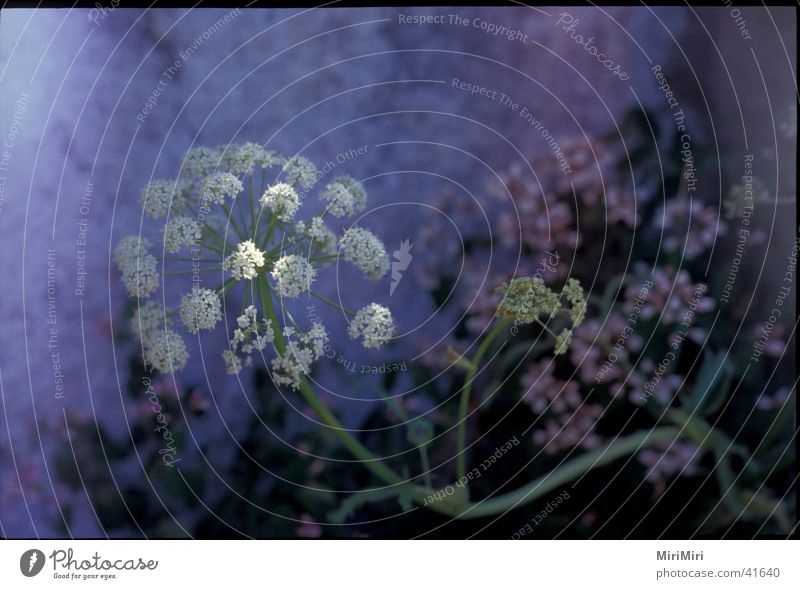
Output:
[[568, 472], [367, 458], [461, 434]]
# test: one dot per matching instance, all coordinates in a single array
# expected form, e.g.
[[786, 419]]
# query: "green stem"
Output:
[[369, 460], [568, 472], [193, 270], [233, 223], [544, 326], [331, 303], [461, 434], [426, 465]]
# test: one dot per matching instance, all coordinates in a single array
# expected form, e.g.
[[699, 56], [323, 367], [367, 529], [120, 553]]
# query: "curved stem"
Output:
[[327, 301], [367, 458], [461, 434], [568, 472]]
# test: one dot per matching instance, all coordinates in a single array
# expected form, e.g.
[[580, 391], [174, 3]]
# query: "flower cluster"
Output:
[[200, 309], [374, 324], [243, 264], [251, 335], [366, 251], [282, 200], [275, 256], [345, 197], [302, 349], [138, 266], [181, 231], [293, 274]]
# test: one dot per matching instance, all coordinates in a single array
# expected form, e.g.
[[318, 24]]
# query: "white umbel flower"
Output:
[[323, 240], [282, 200], [140, 276], [233, 364], [243, 159], [199, 162], [293, 274], [374, 324], [366, 251], [300, 171], [289, 368], [219, 185], [158, 195], [244, 263], [148, 319], [200, 309], [181, 231], [129, 249], [344, 196], [249, 337], [166, 352]]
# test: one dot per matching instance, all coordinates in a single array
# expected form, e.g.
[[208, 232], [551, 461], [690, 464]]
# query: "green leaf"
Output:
[[711, 385]]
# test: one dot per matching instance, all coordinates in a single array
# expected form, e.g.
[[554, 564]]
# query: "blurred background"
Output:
[[97, 103]]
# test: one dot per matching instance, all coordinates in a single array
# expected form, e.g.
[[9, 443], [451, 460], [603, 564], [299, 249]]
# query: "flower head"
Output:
[[158, 196], [251, 335], [148, 319], [293, 274], [573, 291], [366, 251], [300, 171], [140, 276], [200, 309], [181, 231], [166, 351], [525, 299], [563, 340], [219, 185], [344, 196], [323, 240], [289, 368], [243, 264], [242, 159], [282, 200], [374, 324], [130, 248], [199, 162]]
